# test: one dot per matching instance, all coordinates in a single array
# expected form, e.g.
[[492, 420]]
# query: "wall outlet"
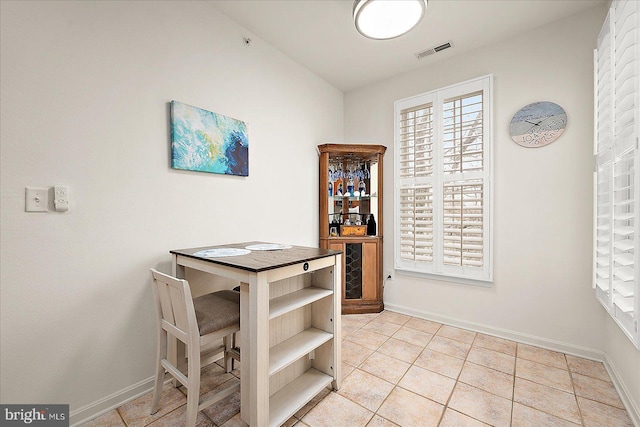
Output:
[[61, 198]]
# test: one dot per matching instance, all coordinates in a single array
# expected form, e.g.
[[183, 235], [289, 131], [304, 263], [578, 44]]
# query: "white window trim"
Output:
[[468, 275]]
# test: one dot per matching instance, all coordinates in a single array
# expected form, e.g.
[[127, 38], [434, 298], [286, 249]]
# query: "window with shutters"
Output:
[[616, 185], [443, 182]]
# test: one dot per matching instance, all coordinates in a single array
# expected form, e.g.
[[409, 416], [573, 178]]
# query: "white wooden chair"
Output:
[[197, 323]]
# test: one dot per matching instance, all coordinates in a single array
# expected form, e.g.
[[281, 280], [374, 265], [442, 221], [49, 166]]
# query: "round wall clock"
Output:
[[538, 124]]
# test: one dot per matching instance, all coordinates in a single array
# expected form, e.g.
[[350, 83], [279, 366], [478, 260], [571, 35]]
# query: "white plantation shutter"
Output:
[[625, 63], [416, 223], [443, 182], [616, 185], [624, 244], [416, 147], [604, 93], [462, 224], [416, 197], [462, 134], [604, 167], [603, 233]]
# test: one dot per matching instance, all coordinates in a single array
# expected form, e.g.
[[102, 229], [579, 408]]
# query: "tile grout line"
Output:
[[456, 385], [475, 343], [573, 387], [446, 405], [545, 385], [513, 391], [396, 385], [457, 379]]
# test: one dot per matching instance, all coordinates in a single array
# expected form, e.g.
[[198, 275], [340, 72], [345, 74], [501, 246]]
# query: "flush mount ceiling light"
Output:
[[387, 19]]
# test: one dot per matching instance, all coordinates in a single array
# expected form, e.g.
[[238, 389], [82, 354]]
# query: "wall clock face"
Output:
[[538, 124]]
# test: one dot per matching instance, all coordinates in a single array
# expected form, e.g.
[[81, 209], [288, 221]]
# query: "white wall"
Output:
[[85, 92], [85, 88], [623, 361], [542, 199]]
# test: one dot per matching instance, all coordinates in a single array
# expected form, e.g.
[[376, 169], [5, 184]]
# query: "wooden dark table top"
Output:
[[260, 260]]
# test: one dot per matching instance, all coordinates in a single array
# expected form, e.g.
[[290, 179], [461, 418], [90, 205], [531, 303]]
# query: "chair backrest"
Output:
[[176, 313]]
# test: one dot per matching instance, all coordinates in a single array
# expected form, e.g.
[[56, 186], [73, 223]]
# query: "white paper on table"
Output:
[[268, 247], [221, 252]]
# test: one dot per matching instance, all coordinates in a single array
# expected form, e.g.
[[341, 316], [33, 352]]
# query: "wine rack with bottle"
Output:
[[351, 190]]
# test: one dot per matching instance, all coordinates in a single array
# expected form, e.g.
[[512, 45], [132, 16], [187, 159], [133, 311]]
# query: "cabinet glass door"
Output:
[[353, 196]]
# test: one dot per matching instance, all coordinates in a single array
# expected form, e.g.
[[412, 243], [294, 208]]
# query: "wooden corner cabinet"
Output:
[[351, 220]]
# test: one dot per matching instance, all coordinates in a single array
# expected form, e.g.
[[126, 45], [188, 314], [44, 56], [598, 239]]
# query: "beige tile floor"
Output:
[[404, 371]]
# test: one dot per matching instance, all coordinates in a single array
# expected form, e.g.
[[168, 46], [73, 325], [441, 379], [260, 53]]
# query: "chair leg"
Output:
[[234, 347], [193, 390], [228, 361], [161, 353]]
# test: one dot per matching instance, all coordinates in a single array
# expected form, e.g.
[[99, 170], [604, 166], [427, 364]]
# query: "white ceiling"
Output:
[[320, 34]]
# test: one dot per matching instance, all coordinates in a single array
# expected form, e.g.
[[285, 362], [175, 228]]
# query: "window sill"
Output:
[[445, 278]]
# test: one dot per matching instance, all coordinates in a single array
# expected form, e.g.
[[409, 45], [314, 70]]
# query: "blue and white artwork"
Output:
[[208, 142]]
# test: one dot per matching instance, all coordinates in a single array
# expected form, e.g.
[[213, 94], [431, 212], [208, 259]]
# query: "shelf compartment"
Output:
[[289, 302], [292, 397], [354, 198], [288, 351]]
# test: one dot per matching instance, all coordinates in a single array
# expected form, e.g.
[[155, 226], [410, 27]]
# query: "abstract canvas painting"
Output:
[[208, 142]]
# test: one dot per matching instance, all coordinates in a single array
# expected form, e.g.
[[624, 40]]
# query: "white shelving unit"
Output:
[[289, 302], [287, 401], [616, 183], [290, 339], [301, 342]]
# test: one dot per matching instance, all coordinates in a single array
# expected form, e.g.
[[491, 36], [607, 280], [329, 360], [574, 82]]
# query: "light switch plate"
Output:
[[36, 199]]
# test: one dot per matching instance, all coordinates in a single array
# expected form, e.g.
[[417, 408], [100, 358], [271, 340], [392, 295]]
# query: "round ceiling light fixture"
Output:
[[387, 19]]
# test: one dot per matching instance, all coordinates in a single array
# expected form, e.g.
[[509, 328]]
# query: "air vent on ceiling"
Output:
[[433, 50]]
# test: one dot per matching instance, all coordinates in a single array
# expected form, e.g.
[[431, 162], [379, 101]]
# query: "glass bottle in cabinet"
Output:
[[351, 194]]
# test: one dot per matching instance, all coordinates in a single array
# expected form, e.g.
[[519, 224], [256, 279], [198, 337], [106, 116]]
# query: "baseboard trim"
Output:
[[562, 347], [117, 399], [104, 405], [629, 404]]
